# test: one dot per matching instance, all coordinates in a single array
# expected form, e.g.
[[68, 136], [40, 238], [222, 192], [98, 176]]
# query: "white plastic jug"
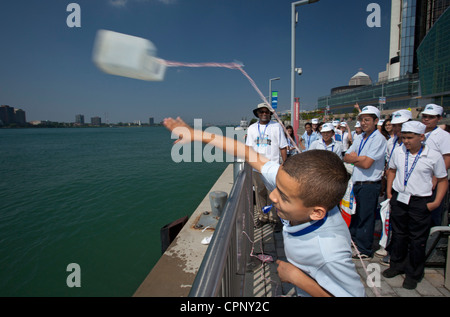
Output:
[[128, 56]]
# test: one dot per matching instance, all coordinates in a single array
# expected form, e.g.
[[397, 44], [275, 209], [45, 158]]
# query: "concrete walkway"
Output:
[[267, 283]]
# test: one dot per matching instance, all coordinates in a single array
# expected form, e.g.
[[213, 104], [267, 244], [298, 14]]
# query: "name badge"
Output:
[[403, 198]]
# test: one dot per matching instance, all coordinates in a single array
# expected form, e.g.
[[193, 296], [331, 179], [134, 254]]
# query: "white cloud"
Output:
[[118, 3]]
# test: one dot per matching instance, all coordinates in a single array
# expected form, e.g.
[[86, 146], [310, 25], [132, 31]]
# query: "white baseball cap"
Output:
[[343, 124], [327, 127], [414, 127], [380, 122], [358, 124], [335, 123], [370, 110], [433, 110], [315, 121], [401, 116]]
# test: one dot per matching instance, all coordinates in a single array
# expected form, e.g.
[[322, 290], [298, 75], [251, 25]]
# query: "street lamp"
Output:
[[270, 89], [293, 68]]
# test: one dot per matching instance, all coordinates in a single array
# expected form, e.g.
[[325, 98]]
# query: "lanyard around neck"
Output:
[[326, 146], [429, 133], [264, 132], [363, 143], [392, 151], [408, 174]]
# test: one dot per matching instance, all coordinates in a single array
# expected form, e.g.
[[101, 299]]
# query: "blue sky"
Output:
[[46, 67]]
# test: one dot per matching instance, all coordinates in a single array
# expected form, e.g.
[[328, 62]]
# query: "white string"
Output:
[[252, 82]]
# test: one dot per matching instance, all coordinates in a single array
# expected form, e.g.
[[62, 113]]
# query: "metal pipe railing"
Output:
[[222, 272]]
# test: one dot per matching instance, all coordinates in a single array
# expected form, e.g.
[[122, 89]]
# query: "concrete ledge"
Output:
[[174, 273]]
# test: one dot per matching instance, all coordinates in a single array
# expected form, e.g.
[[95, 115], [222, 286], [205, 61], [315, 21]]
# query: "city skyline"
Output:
[[47, 67]]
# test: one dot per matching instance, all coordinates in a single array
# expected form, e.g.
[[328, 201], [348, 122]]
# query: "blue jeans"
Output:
[[363, 221]]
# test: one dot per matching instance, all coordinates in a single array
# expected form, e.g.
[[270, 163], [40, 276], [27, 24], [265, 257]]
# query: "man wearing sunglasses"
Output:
[[267, 138]]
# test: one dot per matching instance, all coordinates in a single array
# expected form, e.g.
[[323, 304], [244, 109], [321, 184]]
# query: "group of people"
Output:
[[304, 192]]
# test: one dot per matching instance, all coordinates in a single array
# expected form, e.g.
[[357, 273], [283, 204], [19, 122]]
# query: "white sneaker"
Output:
[[381, 252]]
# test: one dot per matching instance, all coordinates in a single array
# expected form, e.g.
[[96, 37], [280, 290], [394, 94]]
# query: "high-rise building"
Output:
[[433, 55], [96, 121], [418, 66], [151, 121], [9, 115], [79, 119], [19, 116], [411, 20]]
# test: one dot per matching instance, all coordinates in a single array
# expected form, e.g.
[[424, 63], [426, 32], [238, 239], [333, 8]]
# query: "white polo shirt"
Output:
[[419, 183], [374, 147], [267, 139], [334, 146], [438, 140], [324, 253]]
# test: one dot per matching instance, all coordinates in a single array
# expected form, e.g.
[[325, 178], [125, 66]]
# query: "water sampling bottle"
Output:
[[129, 56]]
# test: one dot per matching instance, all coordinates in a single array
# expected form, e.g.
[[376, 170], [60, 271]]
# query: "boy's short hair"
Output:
[[322, 176]]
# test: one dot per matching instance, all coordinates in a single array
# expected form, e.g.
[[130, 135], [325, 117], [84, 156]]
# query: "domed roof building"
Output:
[[360, 79]]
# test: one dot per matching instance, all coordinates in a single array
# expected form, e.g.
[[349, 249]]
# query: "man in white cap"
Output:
[[398, 118], [267, 138], [436, 138], [409, 187], [367, 154], [439, 140], [327, 142]]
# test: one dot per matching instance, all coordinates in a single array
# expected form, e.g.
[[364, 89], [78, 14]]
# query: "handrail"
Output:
[[222, 272]]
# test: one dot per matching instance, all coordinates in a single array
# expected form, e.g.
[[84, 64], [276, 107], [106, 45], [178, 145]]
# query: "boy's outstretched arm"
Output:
[[187, 134]]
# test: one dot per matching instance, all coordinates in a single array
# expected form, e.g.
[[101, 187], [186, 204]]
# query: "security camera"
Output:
[[299, 71]]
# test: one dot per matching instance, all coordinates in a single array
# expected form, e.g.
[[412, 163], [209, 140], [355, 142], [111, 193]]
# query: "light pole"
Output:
[[270, 89], [293, 68]]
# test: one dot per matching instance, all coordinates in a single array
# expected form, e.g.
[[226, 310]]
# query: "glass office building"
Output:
[[401, 93], [408, 32], [423, 53], [434, 62]]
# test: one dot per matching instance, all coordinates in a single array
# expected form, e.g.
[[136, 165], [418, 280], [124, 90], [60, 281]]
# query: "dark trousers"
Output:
[[363, 221], [410, 230]]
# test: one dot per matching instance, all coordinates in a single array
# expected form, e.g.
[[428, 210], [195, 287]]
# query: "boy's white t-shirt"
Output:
[[325, 253], [438, 140], [267, 139], [429, 164]]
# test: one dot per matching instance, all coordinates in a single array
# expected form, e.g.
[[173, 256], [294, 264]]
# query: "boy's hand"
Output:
[[178, 127], [286, 271]]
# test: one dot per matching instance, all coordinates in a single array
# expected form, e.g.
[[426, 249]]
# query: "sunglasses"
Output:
[[264, 111]]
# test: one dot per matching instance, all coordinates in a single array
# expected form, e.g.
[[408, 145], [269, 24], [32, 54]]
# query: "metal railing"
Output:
[[222, 272]]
